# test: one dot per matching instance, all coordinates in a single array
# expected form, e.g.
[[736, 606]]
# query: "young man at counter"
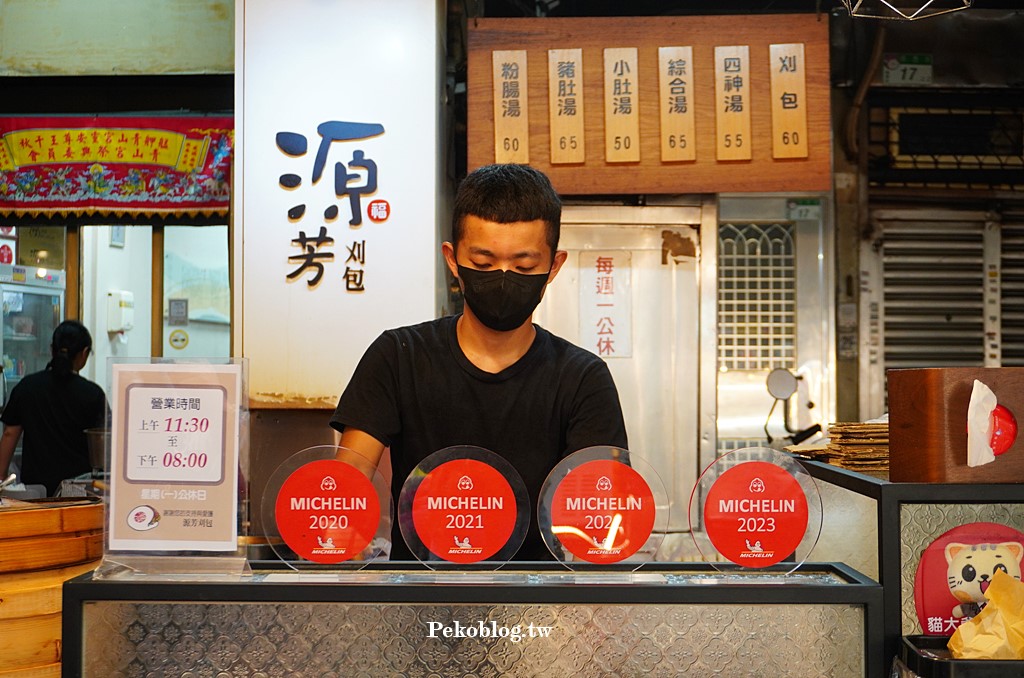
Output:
[[488, 377]]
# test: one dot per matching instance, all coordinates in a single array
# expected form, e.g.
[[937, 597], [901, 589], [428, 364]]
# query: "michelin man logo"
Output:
[[328, 483], [465, 483], [604, 484], [757, 485]]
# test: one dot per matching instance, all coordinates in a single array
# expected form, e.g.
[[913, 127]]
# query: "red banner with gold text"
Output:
[[119, 165]]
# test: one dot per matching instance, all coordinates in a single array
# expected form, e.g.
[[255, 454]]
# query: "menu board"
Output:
[[668, 104]]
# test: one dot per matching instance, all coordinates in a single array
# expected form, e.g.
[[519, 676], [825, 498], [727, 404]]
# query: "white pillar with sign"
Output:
[[338, 186]]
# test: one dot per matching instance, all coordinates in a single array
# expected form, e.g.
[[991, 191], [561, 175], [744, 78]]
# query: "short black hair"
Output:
[[505, 194]]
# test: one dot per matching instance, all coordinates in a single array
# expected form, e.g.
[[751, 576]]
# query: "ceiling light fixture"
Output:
[[903, 10]]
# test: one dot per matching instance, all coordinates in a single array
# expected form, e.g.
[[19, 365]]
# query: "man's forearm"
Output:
[[8, 442]]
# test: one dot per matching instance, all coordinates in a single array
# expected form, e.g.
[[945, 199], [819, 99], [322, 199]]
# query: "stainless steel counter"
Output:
[[530, 620]]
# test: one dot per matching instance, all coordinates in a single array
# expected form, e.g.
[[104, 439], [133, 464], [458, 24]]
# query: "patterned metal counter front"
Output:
[[677, 627]]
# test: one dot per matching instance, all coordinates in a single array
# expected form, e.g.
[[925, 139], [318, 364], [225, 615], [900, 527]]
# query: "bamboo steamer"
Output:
[[48, 671], [42, 544]]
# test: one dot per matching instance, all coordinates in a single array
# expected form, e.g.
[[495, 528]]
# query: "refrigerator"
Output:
[[33, 305]]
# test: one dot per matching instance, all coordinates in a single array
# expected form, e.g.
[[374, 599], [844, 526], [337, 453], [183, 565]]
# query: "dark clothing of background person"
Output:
[[54, 413], [416, 391]]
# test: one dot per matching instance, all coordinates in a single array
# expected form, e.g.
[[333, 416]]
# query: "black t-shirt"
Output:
[[54, 414], [417, 392]]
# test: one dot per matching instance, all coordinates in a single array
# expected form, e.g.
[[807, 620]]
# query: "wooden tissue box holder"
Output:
[[928, 424]]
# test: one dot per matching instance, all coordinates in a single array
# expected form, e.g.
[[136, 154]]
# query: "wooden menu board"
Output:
[[700, 170]]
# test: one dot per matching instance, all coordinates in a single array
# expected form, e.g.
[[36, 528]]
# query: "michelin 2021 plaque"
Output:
[[462, 505]]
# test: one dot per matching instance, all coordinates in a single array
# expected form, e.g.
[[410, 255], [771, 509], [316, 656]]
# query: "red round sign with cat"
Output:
[[956, 570]]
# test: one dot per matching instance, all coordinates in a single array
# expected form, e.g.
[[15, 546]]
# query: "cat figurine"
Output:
[[971, 568]]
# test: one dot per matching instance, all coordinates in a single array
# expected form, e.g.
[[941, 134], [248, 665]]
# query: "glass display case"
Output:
[[33, 305], [29, 318]]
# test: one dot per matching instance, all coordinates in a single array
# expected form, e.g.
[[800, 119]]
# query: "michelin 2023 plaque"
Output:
[[755, 507]]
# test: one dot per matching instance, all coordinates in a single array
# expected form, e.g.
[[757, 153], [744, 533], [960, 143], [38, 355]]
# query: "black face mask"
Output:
[[502, 300]]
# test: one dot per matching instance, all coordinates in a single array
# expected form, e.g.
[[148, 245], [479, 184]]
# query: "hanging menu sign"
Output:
[[511, 107], [732, 105], [674, 108], [565, 112], [621, 109], [789, 96], [675, 102], [174, 457]]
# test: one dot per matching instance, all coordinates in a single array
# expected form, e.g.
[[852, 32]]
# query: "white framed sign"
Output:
[[174, 472]]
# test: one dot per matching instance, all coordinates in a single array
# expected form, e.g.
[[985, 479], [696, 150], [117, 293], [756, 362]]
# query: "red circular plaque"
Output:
[[464, 511], [602, 511], [756, 514], [6, 254], [327, 511]]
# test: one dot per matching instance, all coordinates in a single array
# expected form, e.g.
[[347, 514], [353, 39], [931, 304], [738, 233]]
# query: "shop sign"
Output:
[[336, 191]]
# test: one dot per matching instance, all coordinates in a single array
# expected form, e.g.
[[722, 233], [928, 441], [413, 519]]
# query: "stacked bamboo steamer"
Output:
[[42, 544]]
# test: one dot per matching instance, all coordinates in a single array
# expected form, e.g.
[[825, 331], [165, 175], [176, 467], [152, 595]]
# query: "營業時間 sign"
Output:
[[174, 474]]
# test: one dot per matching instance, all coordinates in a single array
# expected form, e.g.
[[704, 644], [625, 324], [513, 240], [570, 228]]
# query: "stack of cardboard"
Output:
[[861, 447]]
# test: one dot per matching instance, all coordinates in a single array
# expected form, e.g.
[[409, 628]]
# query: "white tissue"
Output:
[[979, 425]]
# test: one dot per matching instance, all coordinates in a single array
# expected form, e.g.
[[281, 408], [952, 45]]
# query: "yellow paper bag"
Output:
[[998, 631]]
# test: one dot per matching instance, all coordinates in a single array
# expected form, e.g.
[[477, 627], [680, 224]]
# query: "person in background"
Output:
[[488, 377], [52, 409]]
